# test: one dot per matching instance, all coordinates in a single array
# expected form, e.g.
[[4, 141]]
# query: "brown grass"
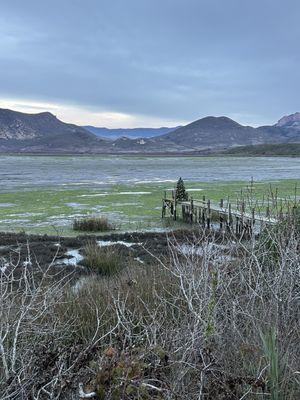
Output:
[[93, 224], [104, 261], [188, 328]]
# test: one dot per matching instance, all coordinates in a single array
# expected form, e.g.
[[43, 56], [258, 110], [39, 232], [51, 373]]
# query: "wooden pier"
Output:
[[239, 219]]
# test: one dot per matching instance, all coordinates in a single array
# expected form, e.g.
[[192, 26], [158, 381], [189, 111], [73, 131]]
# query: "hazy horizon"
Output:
[[27, 110]]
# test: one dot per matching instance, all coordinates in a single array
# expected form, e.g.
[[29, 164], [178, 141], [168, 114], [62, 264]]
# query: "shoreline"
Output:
[[152, 155]]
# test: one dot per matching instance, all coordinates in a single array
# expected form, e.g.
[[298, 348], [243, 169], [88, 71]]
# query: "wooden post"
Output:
[[203, 215], [163, 210], [208, 214], [174, 208], [192, 210], [252, 221], [221, 215], [243, 222], [229, 218], [203, 212]]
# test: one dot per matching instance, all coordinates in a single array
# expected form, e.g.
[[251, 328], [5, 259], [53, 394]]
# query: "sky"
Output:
[[150, 63]]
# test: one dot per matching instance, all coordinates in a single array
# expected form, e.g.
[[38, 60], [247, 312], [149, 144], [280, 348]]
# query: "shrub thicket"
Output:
[[197, 326]]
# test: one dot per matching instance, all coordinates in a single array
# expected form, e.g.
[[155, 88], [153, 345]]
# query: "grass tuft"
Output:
[[93, 224], [104, 261]]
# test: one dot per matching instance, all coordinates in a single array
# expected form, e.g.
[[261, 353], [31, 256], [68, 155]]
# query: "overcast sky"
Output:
[[126, 63]]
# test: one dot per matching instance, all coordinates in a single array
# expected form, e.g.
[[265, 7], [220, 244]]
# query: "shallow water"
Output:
[[106, 243], [44, 194], [26, 172], [74, 258]]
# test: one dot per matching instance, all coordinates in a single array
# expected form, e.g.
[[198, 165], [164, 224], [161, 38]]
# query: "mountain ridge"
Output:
[[45, 133]]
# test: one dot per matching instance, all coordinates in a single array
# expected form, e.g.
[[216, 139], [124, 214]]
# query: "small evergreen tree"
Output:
[[181, 193]]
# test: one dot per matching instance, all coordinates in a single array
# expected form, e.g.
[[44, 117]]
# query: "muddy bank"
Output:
[[64, 256]]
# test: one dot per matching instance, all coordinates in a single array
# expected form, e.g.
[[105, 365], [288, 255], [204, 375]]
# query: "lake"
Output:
[[45, 193]]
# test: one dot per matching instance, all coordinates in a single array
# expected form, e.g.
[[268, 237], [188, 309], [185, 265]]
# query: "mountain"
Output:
[[133, 133], [290, 121], [223, 132], [21, 126], [43, 132]]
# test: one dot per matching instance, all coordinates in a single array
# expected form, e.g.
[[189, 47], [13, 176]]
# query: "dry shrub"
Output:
[[197, 326]]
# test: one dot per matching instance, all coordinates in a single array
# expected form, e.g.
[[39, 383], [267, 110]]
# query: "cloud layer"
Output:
[[122, 63]]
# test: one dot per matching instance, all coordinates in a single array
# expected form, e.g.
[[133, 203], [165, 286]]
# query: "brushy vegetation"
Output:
[[285, 149], [193, 326], [93, 224], [105, 261]]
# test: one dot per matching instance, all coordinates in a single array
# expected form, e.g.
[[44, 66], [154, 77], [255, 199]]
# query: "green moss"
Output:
[[52, 210]]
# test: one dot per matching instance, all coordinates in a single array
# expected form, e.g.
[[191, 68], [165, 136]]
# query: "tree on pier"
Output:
[[181, 193]]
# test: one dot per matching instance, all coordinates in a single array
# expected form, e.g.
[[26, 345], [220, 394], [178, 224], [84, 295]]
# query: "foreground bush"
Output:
[[192, 327], [93, 224], [104, 261]]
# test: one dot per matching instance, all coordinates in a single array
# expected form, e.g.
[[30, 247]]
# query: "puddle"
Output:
[[27, 214], [139, 260], [134, 193], [190, 250], [3, 265], [14, 221], [158, 230], [125, 204], [3, 269], [94, 195], [75, 258], [105, 243], [76, 205], [7, 205], [214, 251]]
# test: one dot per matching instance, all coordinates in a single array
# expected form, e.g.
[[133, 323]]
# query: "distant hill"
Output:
[[44, 133], [223, 132], [292, 120], [21, 126], [133, 133]]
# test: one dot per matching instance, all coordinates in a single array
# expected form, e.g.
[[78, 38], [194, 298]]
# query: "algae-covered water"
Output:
[[45, 193]]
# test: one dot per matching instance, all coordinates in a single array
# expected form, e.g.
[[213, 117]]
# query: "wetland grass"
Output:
[[93, 224], [104, 261]]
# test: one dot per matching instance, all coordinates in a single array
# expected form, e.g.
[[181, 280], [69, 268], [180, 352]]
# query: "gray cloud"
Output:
[[172, 59]]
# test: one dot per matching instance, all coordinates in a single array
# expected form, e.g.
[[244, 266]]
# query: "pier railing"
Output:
[[239, 217]]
